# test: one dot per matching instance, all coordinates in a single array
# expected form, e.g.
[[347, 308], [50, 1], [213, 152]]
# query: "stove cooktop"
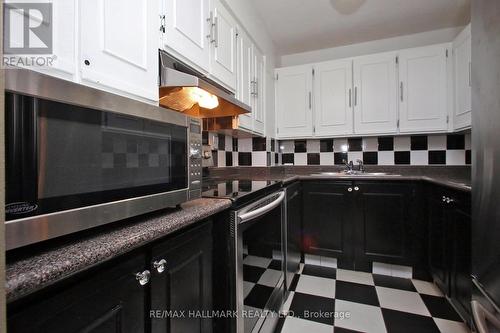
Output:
[[238, 189]]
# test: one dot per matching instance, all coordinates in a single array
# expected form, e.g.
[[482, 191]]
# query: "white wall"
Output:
[[248, 17], [376, 46]]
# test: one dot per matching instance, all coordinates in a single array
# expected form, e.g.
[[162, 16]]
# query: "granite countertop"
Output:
[[32, 273], [457, 178], [456, 184]]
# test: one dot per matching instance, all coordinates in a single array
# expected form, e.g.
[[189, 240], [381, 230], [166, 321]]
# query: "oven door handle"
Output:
[[262, 210]]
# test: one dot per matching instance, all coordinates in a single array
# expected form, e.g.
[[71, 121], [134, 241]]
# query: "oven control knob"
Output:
[[195, 152]]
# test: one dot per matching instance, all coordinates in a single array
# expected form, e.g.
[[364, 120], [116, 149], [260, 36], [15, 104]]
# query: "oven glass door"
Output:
[[67, 157], [262, 267]]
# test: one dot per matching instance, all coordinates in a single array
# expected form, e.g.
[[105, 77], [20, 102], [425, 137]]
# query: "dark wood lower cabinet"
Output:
[[109, 298], [328, 221], [360, 222], [450, 246], [383, 224], [185, 286]]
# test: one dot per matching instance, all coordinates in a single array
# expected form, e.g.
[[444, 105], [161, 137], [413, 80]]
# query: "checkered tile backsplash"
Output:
[[229, 151], [442, 149], [435, 149]]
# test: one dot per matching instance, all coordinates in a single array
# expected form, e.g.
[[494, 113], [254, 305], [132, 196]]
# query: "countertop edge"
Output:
[[433, 180], [27, 276]]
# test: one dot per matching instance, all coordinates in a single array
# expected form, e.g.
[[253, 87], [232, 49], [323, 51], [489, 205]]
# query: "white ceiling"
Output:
[[306, 25]]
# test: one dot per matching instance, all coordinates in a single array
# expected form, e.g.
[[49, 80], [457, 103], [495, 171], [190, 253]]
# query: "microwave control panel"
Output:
[[195, 158]]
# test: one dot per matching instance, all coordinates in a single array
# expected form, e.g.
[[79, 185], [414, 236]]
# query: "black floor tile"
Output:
[[314, 308], [357, 293], [252, 273], [344, 330], [258, 296], [439, 307], [325, 272], [275, 264], [397, 322], [393, 282], [294, 282]]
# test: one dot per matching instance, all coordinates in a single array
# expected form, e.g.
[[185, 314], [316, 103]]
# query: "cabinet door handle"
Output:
[[356, 188], [449, 200], [443, 198], [162, 23], [143, 277], [401, 90], [216, 34], [349, 189], [355, 96], [210, 21], [160, 265], [350, 99], [310, 100]]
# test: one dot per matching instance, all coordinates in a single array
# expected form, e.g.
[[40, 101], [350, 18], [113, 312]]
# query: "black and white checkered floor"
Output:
[[374, 303]]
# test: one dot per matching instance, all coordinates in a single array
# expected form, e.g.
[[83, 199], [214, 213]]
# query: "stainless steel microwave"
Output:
[[77, 157]]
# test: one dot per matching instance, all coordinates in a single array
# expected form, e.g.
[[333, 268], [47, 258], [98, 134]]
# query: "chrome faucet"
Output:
[[349, 167], [361, 165]]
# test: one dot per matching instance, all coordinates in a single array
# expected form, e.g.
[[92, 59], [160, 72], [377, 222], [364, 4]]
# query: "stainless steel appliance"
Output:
[[257, 238], [486, 165], [77, 157]]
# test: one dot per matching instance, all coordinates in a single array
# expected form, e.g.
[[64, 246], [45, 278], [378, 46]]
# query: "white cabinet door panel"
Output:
[[294, 102], [64, 16], [187, 31], [245, 76], [333, 98], [375, 99], [423, 89], [118, 45], [259, 93], [223, 54], [463, 84]]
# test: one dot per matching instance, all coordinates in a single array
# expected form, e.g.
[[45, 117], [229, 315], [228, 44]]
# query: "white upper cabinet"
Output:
[[64, 35], [118, 46], [463, 84], [423, 89], [259, 93], [294, 104], [333, 98], [186, 31], [374, 95], [223, 50], [245, 77]]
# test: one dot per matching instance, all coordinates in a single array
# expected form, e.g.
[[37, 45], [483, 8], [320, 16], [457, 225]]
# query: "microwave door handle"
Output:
[[262, 210]]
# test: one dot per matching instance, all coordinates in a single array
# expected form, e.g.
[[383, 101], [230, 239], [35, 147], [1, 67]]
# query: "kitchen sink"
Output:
[[352, 173]]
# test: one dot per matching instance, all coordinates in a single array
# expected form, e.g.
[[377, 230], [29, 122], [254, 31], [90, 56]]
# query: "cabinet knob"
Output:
[[143, 277], [356, 188], [349, 189], [160, 265], [86, 62]]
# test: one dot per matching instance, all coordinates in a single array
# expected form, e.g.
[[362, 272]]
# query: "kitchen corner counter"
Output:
[[32, 273]]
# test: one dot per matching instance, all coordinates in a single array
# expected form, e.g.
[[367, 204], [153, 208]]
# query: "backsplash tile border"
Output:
[[432, 149]]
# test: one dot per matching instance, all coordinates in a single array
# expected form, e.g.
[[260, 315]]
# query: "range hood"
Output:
[[188, 91]]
